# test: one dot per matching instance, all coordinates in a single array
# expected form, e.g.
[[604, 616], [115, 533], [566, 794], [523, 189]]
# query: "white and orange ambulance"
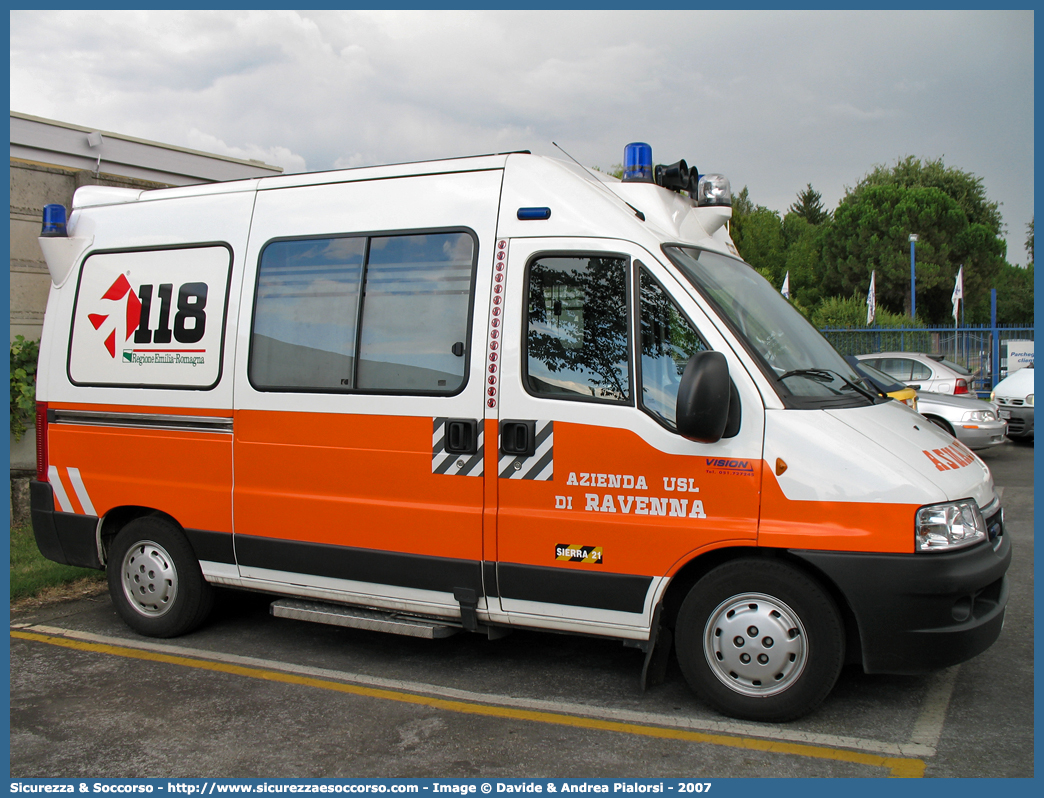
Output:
[[491, 393]]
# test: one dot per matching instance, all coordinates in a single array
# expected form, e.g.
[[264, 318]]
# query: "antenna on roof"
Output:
[[637, 212]]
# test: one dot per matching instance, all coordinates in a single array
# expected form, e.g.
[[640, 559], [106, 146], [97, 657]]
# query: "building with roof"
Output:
[[50, 160]]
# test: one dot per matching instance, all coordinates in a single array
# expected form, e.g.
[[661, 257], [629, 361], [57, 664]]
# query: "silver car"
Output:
[[975, 423], [922, 371]]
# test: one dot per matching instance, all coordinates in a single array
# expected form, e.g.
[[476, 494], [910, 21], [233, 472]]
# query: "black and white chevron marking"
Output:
[[540, 466], [443, 462]]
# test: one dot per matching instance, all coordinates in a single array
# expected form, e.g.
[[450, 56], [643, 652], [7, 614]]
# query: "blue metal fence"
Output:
[[976, 348]]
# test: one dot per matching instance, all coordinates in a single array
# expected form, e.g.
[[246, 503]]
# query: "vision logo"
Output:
[[189, 322], [726, 466]]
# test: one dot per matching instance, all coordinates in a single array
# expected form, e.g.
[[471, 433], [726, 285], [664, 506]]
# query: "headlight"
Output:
[[944, 527], [993, 396], [1029, 400], [979, 415]]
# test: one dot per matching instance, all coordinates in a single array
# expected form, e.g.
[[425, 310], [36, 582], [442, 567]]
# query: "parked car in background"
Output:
[[1014, 398], [922, 371], [879, 381], [975, 423]]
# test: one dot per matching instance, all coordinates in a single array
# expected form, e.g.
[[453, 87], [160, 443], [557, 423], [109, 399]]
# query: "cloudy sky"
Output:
[[772, 99]]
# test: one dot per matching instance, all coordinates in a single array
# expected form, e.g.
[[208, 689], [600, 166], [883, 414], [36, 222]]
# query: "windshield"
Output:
[[877, 377], [806, 369]]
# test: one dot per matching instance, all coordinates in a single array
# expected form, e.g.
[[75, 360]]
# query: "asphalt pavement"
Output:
[[250, 695]]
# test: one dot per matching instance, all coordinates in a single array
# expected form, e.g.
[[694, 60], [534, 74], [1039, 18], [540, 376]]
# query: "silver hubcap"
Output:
[[755, 644], [150, 580]]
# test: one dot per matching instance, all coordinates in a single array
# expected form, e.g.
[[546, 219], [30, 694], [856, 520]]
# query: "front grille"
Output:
[[1016, 426]]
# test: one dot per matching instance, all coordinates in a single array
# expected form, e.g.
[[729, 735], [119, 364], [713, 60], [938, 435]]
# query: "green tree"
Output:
[[758, 236], [843, 312], [1029, 241], [1014, 286], [963, 187], [809, 206], [803, 257], [956, 225]]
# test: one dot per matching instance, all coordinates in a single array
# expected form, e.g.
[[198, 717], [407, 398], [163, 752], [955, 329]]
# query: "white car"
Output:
[[1014, 397], [922, 371]]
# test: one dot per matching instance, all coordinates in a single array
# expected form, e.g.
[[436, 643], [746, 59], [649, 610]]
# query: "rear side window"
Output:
[[577, 340], [920, 371], [384, 314]]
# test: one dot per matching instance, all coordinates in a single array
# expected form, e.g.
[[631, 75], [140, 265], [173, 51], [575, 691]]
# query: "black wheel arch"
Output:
[[940, 422], [682, 582], [118, 517]]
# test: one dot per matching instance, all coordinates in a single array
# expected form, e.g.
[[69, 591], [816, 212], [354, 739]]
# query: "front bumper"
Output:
[[1020, 422], [921, 612], [982, 435]]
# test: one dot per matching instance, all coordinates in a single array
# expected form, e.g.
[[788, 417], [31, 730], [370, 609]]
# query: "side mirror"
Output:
[[704, 396]]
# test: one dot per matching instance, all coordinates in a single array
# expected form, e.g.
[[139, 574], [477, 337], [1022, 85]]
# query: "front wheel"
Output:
[[943, 425], [155, 580], [760, 640]]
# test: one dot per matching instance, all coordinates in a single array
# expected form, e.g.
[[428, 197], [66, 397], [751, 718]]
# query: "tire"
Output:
[[944, 426], [760, 640], [155, 580]]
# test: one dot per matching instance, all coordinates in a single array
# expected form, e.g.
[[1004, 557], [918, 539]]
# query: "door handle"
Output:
[[518, 438], [462, 436]]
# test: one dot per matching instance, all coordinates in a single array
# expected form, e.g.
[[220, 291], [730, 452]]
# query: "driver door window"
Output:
[[667, 341]]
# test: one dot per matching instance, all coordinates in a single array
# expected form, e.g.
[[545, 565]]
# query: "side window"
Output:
[[920, 371], [386, 313], [667, 342], [577, 340], [305, 317], [415, 313], [896, 367]]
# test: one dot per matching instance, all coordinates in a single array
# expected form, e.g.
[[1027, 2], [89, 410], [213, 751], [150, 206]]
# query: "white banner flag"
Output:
[[871, 301], [786, 286], [958, 292]]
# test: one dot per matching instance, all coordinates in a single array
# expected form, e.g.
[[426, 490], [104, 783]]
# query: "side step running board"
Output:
[[357, 618]]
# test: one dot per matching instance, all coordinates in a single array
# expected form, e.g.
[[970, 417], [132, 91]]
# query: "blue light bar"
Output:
[[530, 214], [638, 165], [53, 222]]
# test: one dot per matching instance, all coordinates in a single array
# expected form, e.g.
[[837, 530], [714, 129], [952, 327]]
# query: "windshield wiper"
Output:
[[826, 375], [817, 374]]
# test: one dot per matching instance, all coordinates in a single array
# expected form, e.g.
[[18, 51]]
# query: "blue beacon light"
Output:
[[53, 222], [638, 165]]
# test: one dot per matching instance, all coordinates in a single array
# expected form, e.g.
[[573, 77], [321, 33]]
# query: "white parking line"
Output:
[[927, 729]]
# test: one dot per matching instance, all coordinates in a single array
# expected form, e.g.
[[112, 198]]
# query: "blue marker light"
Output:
[[53, 222], [638, 165], [530, 214]]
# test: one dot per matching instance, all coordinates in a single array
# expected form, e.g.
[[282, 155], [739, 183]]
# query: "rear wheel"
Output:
[[155, 580], [760, 640]]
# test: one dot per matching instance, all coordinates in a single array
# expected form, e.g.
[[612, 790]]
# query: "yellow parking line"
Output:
[[898, 767]]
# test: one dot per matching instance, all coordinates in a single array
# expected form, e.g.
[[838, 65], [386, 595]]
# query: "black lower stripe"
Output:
[[361, 565], [620, 592], [212, 546]]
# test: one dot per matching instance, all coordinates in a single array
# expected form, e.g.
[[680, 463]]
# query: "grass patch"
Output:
[[32, 575]]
